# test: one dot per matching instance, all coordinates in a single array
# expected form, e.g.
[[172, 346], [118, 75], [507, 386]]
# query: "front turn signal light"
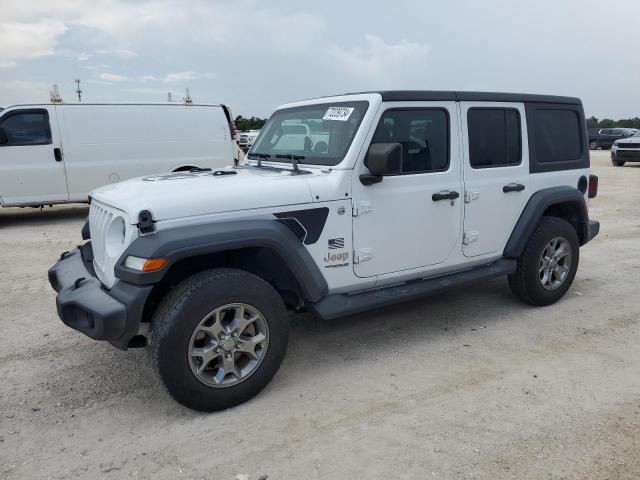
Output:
[[145, 264]]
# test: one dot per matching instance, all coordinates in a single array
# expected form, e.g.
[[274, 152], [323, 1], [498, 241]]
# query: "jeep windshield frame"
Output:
[[321, 133]]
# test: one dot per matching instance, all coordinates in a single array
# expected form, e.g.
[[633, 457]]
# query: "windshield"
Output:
[[318, 134], [636, 134]]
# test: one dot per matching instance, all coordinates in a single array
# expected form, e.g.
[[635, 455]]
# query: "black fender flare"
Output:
[[183, 242], [535, 208]]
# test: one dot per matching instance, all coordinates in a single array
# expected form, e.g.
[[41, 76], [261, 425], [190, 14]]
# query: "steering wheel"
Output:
[[321, 147]]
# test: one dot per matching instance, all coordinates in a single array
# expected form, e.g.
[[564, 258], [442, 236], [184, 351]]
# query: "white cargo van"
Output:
[[58, 153]]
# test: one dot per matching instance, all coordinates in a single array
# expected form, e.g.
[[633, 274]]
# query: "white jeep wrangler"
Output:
[[384, 197]]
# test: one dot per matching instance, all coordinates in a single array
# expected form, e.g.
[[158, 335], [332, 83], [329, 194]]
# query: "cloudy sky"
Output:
[[254, 55]]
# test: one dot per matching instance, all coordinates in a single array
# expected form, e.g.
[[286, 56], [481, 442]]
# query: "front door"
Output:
[[496, 174], [410, 221], [31, 162]]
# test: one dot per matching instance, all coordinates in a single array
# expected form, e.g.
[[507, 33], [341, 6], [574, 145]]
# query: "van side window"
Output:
[[29, 127], [557, 135], [494, 137], [423, 134]]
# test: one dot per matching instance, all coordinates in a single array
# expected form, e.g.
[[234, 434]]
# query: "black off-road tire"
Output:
[[181, 311], [525, 281]]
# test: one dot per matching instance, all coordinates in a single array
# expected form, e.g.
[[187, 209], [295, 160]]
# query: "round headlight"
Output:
[[115, 237]]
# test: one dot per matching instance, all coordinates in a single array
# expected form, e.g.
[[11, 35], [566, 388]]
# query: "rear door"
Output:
[[496, 174], [32, 169]]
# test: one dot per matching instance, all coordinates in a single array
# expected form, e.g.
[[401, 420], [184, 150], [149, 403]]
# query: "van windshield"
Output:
[[321, 133]]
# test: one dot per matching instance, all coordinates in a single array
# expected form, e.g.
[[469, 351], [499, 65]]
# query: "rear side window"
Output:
[[494, 137], [28, 127], [557, 135], [423, 134]]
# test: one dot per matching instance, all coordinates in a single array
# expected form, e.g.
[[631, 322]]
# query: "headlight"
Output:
[[115, 237]]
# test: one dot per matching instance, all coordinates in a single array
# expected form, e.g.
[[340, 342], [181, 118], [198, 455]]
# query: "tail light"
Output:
[[593, 186]]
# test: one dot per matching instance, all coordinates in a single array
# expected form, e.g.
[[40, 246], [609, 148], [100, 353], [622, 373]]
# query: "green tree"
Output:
[[606, 123], [592, 122], [253, 123]]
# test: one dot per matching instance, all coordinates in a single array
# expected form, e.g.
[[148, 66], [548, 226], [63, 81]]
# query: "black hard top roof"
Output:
[[434, 95]]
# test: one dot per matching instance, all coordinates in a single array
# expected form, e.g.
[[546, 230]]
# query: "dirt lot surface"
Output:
[[471, 384]]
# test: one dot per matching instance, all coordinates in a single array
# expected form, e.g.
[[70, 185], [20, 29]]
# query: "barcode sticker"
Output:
[[338, 113]]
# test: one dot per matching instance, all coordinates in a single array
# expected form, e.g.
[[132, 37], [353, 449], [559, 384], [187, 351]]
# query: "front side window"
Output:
[[557, 135], [494, 137], [423, 134], [318, 134], [26, 128]]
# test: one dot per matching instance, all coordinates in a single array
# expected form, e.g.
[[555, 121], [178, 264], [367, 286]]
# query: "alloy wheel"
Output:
[[555, 263], [228, 345]]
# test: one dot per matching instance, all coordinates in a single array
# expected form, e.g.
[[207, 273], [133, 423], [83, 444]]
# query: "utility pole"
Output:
[[78, 91]]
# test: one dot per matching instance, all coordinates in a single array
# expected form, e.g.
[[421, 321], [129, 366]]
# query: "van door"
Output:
[[32, 169], [411, 221], [496, 174]]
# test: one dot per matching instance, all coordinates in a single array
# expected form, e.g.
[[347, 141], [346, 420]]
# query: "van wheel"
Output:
[[618, 163], [218, 338], [548, 263], [593, 145]]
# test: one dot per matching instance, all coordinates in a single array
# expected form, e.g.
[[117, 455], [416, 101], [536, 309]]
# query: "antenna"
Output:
[[78, 91], [55, 96], [169, 97], [187, 99]]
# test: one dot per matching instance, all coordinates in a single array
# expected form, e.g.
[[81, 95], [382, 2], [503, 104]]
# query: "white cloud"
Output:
[[382, 62], [84, 56], [24, 40], [112, 77], [187, 76], [120, 53], [18, 91]]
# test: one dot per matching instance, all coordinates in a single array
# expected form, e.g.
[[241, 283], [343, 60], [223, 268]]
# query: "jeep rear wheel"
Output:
[[218, 338], [548, 263]]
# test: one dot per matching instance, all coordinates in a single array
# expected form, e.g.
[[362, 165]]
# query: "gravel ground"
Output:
[[471, 384]]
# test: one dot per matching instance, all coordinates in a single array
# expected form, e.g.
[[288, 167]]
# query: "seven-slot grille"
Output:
[[629, 145], [100, 216]]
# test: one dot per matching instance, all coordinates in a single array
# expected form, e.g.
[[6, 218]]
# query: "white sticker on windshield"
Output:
[[338, 113]]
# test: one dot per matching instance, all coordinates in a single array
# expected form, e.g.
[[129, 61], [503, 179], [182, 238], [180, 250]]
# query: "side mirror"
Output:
[[3, 137], [382, 159]]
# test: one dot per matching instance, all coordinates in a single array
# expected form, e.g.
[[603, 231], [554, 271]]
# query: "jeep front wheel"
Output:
[[218, 338], [548, 263]]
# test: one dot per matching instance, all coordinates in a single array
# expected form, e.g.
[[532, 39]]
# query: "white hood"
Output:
[[184, 194]]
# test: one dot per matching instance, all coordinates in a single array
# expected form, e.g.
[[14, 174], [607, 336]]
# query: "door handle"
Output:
[[57, 154], [445, 195], [513, 187]]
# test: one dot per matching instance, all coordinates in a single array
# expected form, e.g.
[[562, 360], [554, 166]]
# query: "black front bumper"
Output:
[[84, 305]]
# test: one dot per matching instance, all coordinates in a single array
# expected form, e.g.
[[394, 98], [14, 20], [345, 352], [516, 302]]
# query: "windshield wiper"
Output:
[[260, 156], [294, 160]]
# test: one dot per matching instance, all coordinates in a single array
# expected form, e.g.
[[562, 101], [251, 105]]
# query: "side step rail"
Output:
[[340, 305]]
